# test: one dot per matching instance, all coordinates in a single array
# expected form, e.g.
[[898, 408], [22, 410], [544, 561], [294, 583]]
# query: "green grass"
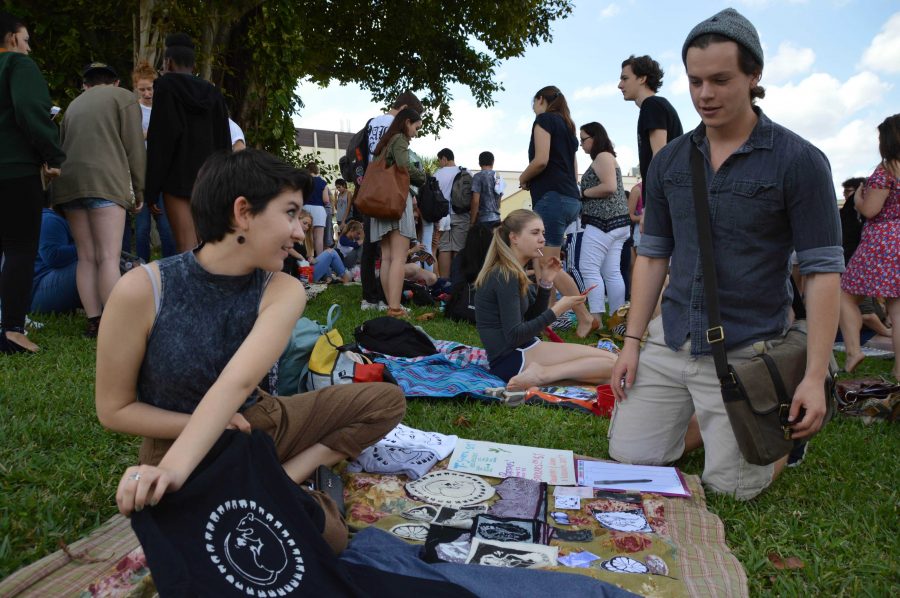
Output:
[[838, 512]]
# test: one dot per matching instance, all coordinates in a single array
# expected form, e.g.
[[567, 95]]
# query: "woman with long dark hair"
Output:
[[396, 234], [30, 146], [604, 215], [510, 315], [874, 269], [551, 178]]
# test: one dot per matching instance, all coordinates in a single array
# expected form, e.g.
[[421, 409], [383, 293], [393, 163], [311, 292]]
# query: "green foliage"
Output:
[[258, 51]]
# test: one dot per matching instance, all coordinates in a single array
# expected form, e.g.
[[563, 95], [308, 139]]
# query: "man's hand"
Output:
[[49, 173], [810, 395], [625, 369]]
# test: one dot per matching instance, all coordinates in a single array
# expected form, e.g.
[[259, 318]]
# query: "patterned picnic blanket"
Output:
[[686, 538], [436, 376], [686, 550]]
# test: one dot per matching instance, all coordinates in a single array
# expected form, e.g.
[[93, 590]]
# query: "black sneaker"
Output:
[[798, 453]]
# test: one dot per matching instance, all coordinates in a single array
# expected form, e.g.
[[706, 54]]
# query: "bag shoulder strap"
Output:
[[334, 312], [715, 335]]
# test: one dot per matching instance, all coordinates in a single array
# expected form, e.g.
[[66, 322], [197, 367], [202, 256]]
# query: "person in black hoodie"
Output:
[[188, 123]]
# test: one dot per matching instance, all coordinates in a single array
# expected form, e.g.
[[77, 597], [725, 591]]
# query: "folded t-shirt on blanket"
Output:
[[405, 450]]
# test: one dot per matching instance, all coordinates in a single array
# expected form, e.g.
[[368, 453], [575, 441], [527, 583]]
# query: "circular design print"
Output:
[[450, 489], [417, 532]]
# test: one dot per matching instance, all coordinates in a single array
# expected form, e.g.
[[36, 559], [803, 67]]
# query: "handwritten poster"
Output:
[[497, 460]]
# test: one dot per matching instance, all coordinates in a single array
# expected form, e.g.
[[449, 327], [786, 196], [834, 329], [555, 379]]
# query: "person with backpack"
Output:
[[179, 368], [485, 209], [510, 314], [363, 154], [551, 179], [456, 185], [394, 235]]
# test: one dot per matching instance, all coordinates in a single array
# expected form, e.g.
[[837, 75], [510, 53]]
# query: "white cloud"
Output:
[[610, 11], [852, 151], [883, 54], [675, 81], [765, 3], [817, 105], [605, 90], [789, 61]]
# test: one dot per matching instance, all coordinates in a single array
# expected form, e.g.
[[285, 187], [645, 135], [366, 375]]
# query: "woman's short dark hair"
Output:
[[180, 48], [99, 77], [408, 99], [644, 66], [746, 61], [9, 23], [889, 138], [251, 173], [599, 139]]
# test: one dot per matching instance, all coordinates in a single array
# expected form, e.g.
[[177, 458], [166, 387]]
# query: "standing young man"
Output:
[[453, 240], [658, 123], [485, 199], [371, 289], [770, 191]]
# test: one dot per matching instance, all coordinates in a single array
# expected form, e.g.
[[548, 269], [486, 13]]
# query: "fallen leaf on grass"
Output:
[[425, 317], [791, 562], [462, 421]]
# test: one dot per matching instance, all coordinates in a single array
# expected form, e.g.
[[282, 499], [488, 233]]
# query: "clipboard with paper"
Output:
[[666, 481]]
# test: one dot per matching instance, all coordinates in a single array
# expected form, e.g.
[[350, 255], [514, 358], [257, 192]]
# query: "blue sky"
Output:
[[832, 73]]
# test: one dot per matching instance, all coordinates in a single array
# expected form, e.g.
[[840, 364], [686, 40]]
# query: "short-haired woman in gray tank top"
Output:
[[185, 342]]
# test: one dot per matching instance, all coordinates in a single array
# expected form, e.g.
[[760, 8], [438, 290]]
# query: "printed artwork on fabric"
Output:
[[447, 544], [424, 513], [578, 559], [512, 554], [252, 549], [410, 438], [520, 497], [624, 521], [461, 518], [450, 489], [503, 529], [573, 535], [626, 564], [416, 532]]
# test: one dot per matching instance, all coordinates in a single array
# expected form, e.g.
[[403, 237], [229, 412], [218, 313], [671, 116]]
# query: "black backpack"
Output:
[[354, 162], [432, 203], [392, 336], [461, 192], [460, 307]]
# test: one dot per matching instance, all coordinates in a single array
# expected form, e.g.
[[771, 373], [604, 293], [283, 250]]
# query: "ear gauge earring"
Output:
[[241, 239]]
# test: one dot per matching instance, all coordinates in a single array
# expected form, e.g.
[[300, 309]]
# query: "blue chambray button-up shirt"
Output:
[[774, 194]]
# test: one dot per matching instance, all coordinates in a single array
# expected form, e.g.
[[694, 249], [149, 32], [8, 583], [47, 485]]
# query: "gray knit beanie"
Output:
[[731, 24]]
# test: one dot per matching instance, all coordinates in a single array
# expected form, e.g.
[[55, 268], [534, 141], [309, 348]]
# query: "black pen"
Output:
[[607, 482]]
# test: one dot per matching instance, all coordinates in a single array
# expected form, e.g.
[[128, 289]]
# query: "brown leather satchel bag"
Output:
[[383, 191]]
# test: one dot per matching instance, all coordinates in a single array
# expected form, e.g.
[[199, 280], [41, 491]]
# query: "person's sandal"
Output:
[[510, 398]]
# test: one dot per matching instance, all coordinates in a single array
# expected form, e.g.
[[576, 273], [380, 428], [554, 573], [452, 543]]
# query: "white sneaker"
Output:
[[366, 306]]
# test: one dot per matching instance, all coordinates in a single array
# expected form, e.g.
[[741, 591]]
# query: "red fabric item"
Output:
[[368, 372], [553, 336]]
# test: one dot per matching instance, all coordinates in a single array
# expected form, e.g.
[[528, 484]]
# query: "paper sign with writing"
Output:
[[493, 459]]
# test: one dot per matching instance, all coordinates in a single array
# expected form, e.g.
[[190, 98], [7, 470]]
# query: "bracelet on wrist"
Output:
[[637, 338], [545, 284]]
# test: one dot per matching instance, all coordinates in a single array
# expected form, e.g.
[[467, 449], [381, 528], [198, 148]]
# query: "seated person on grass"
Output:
[[324, 265], [185, 341], [53, 289], [510, 316], [350, 243]]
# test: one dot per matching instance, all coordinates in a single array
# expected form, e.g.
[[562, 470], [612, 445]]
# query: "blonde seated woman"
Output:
[[510, 314]]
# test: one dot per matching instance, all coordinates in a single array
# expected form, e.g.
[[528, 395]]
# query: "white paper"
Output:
[[567, 502], [611, 476], [493, 459], [573, 491]]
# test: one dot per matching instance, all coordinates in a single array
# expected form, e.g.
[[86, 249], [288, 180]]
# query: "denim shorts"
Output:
[[87, 203], [558, 212]]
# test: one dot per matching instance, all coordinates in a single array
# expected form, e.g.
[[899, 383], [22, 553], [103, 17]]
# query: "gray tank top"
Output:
[[201, 320]]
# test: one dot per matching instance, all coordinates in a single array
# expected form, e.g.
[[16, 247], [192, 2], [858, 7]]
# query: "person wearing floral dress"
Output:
[[874, 270]]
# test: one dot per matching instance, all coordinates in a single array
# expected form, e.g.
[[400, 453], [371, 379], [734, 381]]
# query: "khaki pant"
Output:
[[648, 427], [346, 418]]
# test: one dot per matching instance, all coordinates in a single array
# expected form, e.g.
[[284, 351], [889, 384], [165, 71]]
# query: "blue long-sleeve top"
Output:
[[56, 249]]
